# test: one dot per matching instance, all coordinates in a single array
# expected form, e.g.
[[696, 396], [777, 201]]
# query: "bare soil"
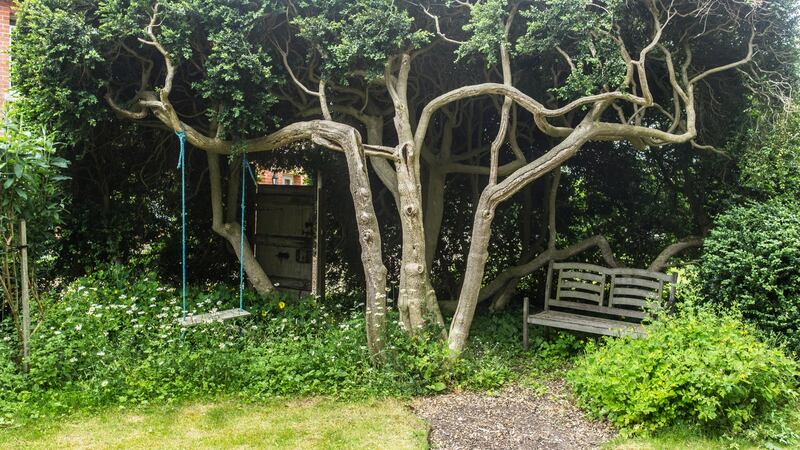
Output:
[[515, 418]]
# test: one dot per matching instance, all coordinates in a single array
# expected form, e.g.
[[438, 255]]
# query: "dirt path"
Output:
[[516, 418]]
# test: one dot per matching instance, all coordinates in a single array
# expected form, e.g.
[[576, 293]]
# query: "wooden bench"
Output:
[[599, 300]]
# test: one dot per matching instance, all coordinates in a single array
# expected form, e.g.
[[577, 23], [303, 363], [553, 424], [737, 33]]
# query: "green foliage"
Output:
[[356, 35], [32, 175], [235, 64], [31, 190], [751, 261], [82, 39], [770, 162], [582, 33], [54, 47], [697, 368], [486, 30], [114, 338]]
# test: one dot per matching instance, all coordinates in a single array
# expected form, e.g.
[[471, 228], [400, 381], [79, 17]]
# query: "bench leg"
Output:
[[525, 306]]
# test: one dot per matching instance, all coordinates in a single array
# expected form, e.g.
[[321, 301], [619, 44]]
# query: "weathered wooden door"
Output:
[[287, 236]]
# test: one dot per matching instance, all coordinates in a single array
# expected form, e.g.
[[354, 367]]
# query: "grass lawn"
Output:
[[689, 440], [308, 423], [677, 440]]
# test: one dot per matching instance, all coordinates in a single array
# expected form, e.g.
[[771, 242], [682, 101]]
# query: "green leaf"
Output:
[[437, 387]]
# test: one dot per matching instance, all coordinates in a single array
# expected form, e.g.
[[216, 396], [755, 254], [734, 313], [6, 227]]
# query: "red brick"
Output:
[[6, 8]]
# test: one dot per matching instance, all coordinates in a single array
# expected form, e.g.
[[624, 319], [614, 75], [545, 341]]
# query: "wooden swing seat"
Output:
[[217, 316]]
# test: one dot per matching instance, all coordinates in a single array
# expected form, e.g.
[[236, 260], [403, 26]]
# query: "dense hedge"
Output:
[[700, 369], [751, 262]]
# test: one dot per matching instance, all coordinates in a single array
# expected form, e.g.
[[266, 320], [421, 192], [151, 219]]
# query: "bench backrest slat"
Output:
[[635, 292], [581, 282], [583, 275], [630, 301], [641, 273], [579, 266], [638, 282]]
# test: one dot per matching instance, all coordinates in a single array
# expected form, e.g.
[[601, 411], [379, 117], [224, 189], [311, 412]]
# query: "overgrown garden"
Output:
[[464, 146]]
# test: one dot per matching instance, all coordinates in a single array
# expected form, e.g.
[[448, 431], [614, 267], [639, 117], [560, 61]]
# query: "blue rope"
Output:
[[245, 169], [182, 166]]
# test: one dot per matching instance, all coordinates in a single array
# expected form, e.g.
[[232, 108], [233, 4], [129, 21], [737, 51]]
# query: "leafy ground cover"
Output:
[[308, 423], [113, 339]]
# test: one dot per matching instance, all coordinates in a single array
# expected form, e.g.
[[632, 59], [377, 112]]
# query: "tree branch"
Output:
[[660, 262]]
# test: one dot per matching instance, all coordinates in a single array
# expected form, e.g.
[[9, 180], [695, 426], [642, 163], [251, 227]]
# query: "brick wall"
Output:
[[6, 14], [265, 176]]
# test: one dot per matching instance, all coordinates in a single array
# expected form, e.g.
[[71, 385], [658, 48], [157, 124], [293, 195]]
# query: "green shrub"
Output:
[[706, 370], [114, 338], [770, 161], [751, 262]]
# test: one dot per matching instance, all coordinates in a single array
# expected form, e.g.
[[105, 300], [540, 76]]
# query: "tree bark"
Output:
[[416, 298], [516, 272], [434, 211], [370, 238], [661, 260], [473, 275], [335, 136]]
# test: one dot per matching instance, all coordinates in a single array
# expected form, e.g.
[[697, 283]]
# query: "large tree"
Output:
[[499, 93]]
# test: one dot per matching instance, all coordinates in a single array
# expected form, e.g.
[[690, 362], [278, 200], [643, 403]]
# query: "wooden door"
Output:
[[286, 232]]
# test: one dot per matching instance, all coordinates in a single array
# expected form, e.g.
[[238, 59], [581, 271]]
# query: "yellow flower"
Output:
[[281, 305], [263, 314]]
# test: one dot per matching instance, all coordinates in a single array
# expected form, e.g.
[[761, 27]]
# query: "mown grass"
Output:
[[690, 439], [677, 439], [306, 423]]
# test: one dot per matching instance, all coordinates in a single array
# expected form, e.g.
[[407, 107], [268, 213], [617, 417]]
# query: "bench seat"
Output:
[[586, 324]]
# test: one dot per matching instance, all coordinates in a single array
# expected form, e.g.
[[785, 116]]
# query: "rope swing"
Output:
[[182, 166], [218, 315]]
